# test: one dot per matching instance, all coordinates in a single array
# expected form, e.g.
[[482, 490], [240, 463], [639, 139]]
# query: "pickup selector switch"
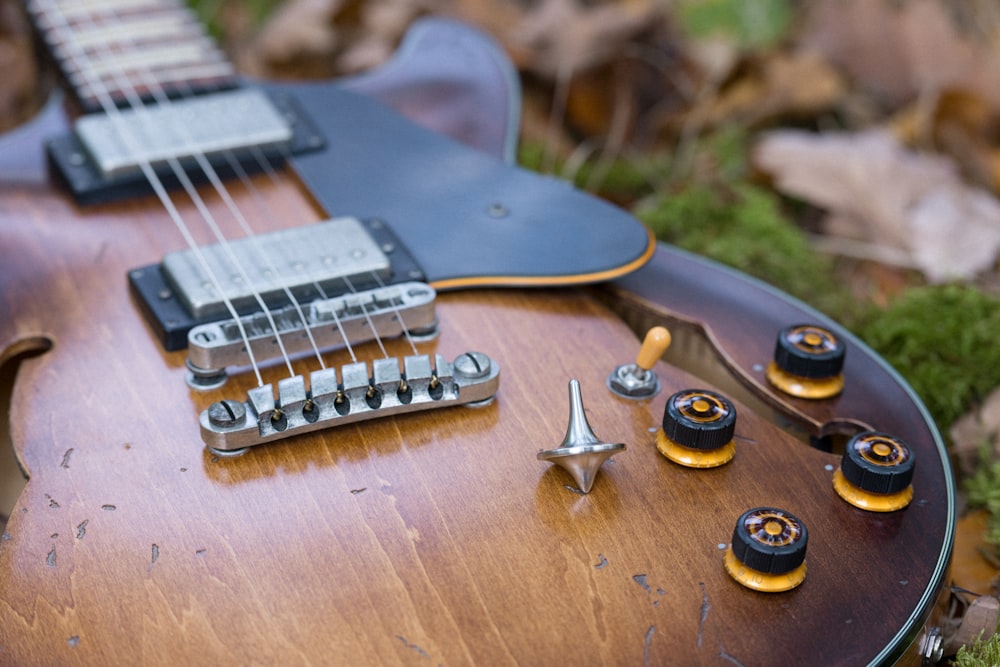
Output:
[[698, 428], [768, 550], [808, 360], [876, 472], [638, 380]]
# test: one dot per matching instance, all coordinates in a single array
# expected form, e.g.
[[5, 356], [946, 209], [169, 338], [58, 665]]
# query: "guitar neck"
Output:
[[118, 50]]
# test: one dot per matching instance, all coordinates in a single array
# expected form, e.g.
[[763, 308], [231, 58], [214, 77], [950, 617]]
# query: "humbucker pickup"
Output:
[[342, 258], [103, 158], [230, 426], [234, 120]]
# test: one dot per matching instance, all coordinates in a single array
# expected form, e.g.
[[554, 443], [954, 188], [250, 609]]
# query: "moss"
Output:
[[750, 23], [982, 489], [209, 13], [623, 180], [942, 339], [981, 653], [744, 227]]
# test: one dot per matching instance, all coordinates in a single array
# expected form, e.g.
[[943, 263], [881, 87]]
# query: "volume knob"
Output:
[[698, 428], [768, 550], [876, 472], [808, 360]]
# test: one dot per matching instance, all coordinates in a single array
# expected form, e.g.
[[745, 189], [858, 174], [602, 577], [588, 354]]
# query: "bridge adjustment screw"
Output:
[[472, 365], [226, 414]]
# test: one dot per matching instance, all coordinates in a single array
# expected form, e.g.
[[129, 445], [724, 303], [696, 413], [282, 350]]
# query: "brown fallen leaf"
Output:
[[970, 569], [767, 88], [569, 36], [961, 123], [297, 28], [979, 427], [912, 205], [901, 50]]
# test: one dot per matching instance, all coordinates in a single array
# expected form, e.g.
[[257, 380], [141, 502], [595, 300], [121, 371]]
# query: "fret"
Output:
[[216, 75], [74, 9], [150, 57], [172, 26], [115, 46]]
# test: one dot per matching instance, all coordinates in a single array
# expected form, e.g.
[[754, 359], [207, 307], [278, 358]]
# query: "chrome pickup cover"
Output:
[[323, 255], [232, 121], [229, 425]]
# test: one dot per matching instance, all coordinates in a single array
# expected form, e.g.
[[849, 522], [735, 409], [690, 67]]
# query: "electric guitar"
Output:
[[312, 374]]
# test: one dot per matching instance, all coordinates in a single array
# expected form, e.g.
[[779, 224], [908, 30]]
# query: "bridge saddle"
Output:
[[425, 383]]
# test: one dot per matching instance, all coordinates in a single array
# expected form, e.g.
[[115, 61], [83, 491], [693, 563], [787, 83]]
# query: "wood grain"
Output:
[[435, 538]]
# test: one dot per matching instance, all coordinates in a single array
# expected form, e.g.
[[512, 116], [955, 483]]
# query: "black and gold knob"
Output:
[[876, 472], [698, 428], [768, 550], [808, 361]]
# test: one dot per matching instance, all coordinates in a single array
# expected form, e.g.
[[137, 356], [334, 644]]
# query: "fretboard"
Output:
[[118, 49]]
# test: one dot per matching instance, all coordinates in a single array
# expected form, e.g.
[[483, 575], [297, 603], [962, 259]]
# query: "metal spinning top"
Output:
[[581, 452]]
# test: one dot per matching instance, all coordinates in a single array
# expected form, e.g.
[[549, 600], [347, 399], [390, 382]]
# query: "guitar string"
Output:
[[103, 96], [266, 166], [269, 169], [125, 87], [244, 178], [153, 84], [154, 87], [157, 90]]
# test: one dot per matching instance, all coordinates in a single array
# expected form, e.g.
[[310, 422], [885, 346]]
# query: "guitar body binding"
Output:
[[434, 536]]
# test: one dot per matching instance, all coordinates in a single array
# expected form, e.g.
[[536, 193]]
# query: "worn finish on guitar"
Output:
[[432, 538]]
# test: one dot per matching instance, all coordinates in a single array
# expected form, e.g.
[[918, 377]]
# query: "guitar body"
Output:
[[431, 538]]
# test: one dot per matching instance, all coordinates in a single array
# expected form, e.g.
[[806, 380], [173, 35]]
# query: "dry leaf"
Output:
[[381, 27], [778, 85], [571, 36], [970, 570], [899, 50], [960, 123], [877, 191], [297, 28], [973, 430]]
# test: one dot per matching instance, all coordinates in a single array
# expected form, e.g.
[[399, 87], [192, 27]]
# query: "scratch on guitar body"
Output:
[[705, 607], [648, 642], [100, 252], [413, 647], [727, 657]]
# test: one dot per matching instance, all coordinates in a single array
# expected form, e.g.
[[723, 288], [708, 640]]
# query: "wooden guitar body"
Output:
[[431, 538]]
